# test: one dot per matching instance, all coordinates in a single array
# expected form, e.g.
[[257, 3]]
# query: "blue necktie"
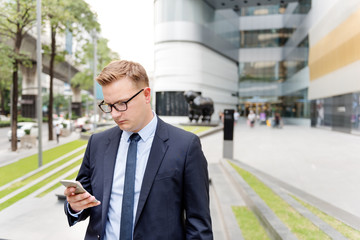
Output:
[[127, 212]]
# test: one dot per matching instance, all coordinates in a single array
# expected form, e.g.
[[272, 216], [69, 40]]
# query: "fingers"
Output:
[[81, 201], [69, 191]]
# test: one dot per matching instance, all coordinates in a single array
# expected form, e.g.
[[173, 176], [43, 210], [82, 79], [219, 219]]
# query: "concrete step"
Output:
[[326, 228], [331, 210], [272, 224], [284, 194], [224, 196]]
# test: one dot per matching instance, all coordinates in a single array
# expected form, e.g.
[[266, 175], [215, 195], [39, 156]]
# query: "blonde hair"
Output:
[[120, 69]]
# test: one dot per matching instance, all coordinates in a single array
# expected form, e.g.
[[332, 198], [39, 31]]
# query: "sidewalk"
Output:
[[7, 156], [322, 163]]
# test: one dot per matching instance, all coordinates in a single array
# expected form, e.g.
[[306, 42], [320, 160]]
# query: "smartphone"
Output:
[[72, 183]]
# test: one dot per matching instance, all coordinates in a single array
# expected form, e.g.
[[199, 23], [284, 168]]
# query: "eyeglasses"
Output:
[[119, 106]]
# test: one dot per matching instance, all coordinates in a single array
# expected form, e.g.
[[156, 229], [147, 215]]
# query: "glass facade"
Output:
[[297, 59], [295, 105], [263, 10], [194, 21], [268, 71], [262, 84], [200, 13], [171, 104], [265, 38], [355, 115], [303, 7], [340, 113]]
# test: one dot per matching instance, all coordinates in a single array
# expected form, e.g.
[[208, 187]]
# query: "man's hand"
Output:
[[80, 201]]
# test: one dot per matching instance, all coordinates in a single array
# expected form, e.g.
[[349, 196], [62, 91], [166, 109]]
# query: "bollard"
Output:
[[228, 146]]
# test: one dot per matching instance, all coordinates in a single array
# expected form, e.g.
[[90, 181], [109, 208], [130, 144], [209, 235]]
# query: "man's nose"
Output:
[[115, 113]]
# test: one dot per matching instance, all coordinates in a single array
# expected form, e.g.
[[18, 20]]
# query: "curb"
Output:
[[210, 131], [224, 196], [272, 224], [42, 167], [323, 226], [343, 216]]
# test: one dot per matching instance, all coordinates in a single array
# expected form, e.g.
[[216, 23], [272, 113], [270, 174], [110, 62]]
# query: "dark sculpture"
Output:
[[199, 106]]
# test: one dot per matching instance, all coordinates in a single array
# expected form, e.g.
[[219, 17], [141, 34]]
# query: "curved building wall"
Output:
[[182, 66], [196, 48]]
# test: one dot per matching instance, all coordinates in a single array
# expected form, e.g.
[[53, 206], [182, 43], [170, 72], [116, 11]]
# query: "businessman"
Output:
[[145, 179]]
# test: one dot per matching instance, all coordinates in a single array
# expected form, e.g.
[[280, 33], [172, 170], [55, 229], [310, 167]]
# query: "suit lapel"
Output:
[[109, 165], [157, 152]]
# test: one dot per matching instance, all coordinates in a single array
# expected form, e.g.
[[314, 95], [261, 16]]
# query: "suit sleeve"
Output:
[[84, 177], [196, 193]]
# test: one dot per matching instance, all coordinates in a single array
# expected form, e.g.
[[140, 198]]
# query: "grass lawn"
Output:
[[298, 225], [31, 178], [17, 169], [195, 129], [55, 186], [341, 227], [251, 228], [37, 186]]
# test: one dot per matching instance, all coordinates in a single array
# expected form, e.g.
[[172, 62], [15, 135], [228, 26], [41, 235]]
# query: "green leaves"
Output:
[[16, 16], [85, 56]]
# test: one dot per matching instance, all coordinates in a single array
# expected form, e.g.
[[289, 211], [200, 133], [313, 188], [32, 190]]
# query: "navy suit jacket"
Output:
[[174, 196]]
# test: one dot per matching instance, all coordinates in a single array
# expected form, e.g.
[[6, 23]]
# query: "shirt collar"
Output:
[[145, 132]]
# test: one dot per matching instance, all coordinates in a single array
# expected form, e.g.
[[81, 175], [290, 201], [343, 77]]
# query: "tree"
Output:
[[60, 102], [6, 64], [17, 17], [105, 55], [74, 15]]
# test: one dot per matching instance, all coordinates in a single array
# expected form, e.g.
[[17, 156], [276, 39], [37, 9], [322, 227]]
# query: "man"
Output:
[[57, 132], [170, 192]]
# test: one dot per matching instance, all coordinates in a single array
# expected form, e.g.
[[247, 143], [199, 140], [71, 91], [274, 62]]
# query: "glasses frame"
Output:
[[113, 105]]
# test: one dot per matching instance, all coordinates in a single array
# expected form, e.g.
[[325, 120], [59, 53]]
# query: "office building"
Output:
[[289, 56]]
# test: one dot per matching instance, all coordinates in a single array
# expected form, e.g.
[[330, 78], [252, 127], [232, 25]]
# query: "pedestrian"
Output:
[[277, 121], [150, 178], [236, 116], [263, 118], [221, 117], [251, 118], [57, 132]]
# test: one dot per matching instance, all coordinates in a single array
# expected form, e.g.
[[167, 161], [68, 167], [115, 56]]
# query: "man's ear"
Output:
[[147, 93]]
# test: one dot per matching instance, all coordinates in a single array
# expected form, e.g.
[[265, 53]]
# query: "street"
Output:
[[5, 146]]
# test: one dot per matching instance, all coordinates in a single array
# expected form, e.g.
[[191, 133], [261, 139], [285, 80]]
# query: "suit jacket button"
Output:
[[98, 236]]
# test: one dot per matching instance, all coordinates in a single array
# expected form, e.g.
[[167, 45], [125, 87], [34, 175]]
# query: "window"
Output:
[[171, 104]]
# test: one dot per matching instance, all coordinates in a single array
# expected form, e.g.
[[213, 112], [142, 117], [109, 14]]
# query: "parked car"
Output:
[[4, 118], [58, 120], [80, 122], [21, 127]]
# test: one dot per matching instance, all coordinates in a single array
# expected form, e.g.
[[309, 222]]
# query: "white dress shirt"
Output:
[[112, 227]]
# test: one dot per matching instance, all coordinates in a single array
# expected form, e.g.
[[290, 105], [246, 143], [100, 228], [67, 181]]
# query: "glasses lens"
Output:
[[105, 108], [120, 106]]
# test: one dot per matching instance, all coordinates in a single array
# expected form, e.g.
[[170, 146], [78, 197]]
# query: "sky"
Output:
[[129, 27]]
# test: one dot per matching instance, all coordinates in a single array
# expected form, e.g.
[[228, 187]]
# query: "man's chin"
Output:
[[124, 127]]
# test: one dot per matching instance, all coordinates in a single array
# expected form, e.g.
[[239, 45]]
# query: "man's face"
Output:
[[135, 117]]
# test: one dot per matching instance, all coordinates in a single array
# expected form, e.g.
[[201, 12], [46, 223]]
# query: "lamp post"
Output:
[[69, 94], [94, 76], [39, 71]]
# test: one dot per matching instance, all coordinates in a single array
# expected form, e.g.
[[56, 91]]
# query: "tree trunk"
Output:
[[51, 95], [14, 103], [14, 109], [2, 103]]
